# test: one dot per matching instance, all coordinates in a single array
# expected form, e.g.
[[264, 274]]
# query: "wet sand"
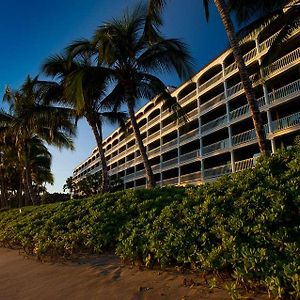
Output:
[[97, 277]]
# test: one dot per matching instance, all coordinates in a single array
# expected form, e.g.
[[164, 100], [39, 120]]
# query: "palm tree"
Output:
[[134, 50], [223, 7], [28, 121], [82, 87]]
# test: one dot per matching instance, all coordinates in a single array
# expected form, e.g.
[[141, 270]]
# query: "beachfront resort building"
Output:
[[218, 138]]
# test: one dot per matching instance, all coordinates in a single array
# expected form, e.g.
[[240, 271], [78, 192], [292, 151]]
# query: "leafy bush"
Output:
[[247, 223], [54, 197]]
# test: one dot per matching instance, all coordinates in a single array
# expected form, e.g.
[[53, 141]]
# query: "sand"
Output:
[[97, 277]]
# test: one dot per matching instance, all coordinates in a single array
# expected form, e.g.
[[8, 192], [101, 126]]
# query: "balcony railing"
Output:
[[190, 135], [188, 97], [189, 178], [244, 164], [213, 101], [140, 174], [247, 57], [189, 156], [247, 136], [285, 91], [170, 163], [221, 145], [192, 113], [169, 126], [268, 42], [170, 181], [217, 171], [153, 136], [234, 89], [283, 62], [169, 144], [154, 152], [286, 122], [243, 137], [156, 168], [214, 123], [211, 81], [153, 121]]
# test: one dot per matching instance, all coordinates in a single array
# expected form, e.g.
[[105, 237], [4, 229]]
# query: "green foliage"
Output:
[[54, 197], [247, 223]]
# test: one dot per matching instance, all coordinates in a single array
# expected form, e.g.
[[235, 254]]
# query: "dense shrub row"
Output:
[[247, 223]]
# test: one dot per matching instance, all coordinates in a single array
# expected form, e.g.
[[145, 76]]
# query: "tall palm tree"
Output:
[[223, 7], [28, 119], [135, 50], [82, 87]]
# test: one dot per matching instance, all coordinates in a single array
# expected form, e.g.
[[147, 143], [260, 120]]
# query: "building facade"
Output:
[[218, 137]]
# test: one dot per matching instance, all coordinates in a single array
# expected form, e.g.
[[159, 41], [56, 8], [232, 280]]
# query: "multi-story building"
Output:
[[219, 136]]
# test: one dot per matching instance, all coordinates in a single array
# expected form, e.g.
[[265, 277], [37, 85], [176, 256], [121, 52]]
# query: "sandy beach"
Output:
[[102, 277]]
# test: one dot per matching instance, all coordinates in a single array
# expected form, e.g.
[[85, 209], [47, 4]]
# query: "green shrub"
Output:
[[247, 223]]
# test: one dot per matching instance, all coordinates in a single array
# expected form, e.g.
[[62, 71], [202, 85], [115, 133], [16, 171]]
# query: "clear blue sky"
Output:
[[32, 30]]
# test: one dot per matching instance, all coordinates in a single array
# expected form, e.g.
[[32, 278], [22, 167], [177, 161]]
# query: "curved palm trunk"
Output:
[[149, 173], [29, 186], [247, 85], [99, 140]]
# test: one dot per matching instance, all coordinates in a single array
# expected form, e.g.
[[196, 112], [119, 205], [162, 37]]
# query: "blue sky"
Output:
[[32, 30]]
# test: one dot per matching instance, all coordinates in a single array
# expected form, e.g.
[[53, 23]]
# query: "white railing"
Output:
[[243, 110], [170, 181], [143, 128], [243, 137], [286, 122], [188, 97], [268, 42], [153, 136], [190, 177], [217, 171], [247, 57], [129, 177], [190, 135], [170, 162], [130, 163], [234, 89], [169, 126], [154, 151], [169, 144], [285, 91], [192, 113], [285, 61], [216, 146], [153, 121], [244, 164], [211, 81], [140, 173], [213, 101], [189, 156], [214, 123], [156, 168]]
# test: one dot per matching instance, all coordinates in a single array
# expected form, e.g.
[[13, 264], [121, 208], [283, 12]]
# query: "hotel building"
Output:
[[218, 137]]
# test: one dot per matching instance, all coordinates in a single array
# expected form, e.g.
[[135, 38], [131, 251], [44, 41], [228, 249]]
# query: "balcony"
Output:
[[154, 152], [191, 156], [286, 61], [190, 136], [170, 163], [214, 124], [188, 97], [169, 145], [217, 171], [192, 114], [211, 81], [286, 122], [155, 135], [140, 174], [247, 136], [247, 58], [221, 145], [170, 181], [285, 92], [217, 99], [244, 164], [153, 121], [191, 178]]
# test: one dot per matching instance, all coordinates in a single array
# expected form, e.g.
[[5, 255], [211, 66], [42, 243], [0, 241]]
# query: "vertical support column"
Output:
[[160, 146], [200, 130], [266, 97], [178, 149], [232, 159]]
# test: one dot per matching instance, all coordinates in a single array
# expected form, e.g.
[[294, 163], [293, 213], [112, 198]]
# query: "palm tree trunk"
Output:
[[99, 140], [247, 85], [138, 137], [29, 186]]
